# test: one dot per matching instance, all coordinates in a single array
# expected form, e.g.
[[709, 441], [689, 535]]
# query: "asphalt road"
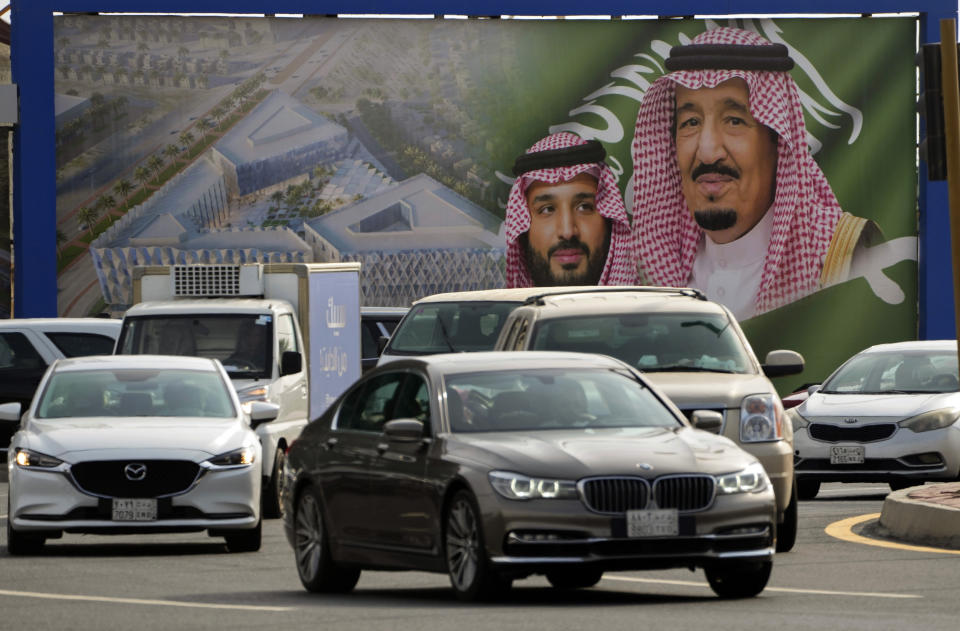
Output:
[[191, 582]]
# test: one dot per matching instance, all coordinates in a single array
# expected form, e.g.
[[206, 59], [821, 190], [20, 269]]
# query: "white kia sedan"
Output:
[[135, 444], [888, 414]]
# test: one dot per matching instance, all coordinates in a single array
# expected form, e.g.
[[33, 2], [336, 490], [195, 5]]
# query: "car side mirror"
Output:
[[263, 412], [11, 412], [404, 430], [291, 362], [707, 420], [782, 362], [814, 388]]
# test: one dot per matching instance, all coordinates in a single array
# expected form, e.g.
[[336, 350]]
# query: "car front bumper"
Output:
[[906, 455], [50, 501], [536, 535]]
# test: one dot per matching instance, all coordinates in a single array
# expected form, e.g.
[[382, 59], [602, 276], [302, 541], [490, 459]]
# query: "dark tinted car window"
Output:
[[368, 407], [552, 399], [650, 342], [82, 344], [443, 327], [17, 352]]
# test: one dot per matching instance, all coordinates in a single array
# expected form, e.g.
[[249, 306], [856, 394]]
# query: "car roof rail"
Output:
[[538, 299]]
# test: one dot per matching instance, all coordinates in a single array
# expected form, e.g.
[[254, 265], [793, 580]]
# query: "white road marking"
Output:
[[138, 601], [792, 590]]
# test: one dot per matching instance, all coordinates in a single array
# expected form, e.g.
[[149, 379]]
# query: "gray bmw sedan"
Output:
[[492, 467]]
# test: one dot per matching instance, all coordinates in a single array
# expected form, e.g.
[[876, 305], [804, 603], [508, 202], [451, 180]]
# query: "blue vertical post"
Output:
[[34, 166]]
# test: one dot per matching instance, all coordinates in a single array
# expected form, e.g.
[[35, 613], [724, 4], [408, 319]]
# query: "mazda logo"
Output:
[[135, 471]]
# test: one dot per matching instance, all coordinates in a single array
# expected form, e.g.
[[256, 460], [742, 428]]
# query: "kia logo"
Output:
[[135, 471], [850, 421]]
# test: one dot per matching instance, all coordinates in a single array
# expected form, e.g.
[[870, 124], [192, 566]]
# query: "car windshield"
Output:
[[447, 327], [524, 400], [135, 392], [651, 342], [895, 373], [241, 342]]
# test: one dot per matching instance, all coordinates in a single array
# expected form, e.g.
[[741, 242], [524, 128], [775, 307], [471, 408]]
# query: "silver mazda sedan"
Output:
[[135, 444], [492, 467]]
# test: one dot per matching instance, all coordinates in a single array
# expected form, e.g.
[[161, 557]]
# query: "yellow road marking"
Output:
[[792, 590], [843, 530], [139, 601]]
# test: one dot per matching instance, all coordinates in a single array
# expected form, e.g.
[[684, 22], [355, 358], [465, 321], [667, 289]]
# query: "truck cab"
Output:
[[257, 324]]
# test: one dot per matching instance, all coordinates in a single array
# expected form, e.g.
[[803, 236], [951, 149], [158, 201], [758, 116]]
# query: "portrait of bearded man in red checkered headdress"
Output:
[[727, 197], [566, 223]]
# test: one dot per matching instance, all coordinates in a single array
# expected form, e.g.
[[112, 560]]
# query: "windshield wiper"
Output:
[[446, 335], [679, 368]]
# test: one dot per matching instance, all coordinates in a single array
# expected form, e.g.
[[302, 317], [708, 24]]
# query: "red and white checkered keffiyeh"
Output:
[[805, 208], [621, 265]]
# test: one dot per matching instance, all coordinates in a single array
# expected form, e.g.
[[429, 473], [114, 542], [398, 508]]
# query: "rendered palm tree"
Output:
[[142, 175], [186, 139], [171, 151], [88, 215], [204, 124], [107, 202], [61, 239], [155, 163], [123, 188]]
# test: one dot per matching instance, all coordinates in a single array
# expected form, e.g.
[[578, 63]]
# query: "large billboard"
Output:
[[393, 143]]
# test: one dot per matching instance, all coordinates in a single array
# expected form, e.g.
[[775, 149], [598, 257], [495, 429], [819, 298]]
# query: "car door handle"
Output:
[[331, 443]]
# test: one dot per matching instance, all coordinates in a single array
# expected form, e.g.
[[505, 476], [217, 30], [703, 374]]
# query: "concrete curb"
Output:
[[927, 515]]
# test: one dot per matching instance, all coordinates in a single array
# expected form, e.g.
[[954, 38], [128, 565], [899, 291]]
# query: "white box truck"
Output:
[[286, 333]]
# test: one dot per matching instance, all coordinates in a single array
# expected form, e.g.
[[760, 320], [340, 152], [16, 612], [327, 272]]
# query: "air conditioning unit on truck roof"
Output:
[[287, 333]]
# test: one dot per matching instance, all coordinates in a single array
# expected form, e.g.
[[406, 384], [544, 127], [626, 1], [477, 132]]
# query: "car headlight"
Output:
[[35, 460], [753, 479], [242, 457], [928, 421], [251, 394], [516, 486], [761, 416], [796, 419]]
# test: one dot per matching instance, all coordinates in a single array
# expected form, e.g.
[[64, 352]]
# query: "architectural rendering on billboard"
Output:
[[766, 161]]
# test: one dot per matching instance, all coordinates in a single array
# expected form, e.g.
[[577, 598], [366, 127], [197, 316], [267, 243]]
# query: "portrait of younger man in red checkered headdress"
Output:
[[727, 196], [566, 223]]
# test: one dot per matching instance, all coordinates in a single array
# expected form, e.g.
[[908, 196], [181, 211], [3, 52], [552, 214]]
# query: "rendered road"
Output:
[[191, 582]]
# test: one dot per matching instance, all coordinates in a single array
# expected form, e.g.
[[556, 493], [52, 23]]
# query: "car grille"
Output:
[[162, 478], [859, 434], [615, 495]]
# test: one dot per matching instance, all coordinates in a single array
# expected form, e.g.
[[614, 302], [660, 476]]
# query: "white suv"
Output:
[[692, 349], [29, 345]]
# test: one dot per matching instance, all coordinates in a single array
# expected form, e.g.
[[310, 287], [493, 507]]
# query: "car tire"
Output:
[[21, 543], [739, 579], [316, 567], [245, 540], [578, 578], [787, 530], [470, 573], [271, 506], [808, 489]]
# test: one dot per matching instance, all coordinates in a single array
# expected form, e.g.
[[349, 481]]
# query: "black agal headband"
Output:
[[588, 153], [729, 57]]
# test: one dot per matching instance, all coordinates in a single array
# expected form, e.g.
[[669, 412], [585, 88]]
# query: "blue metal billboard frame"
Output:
[[31, 53]]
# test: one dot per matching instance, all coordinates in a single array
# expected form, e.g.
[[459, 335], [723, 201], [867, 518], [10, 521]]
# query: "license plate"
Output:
[[653, 523], [846, 455], [134, 509]]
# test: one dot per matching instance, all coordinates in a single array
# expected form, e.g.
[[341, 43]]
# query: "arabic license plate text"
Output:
[[137, 509], [653, 523], [846, 455]]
